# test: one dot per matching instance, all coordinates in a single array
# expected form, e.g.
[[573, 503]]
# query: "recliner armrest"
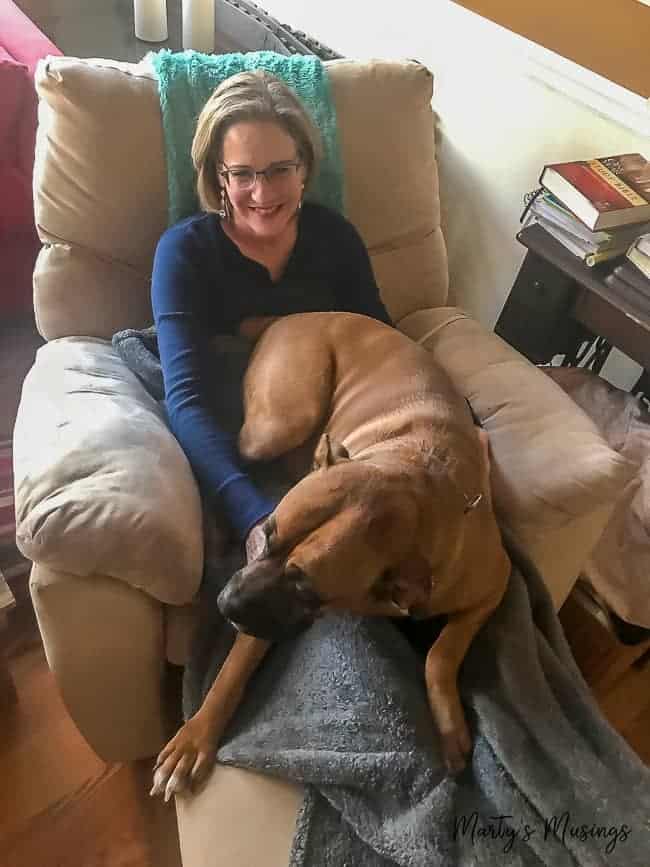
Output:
[[555, 481], [102, 486]]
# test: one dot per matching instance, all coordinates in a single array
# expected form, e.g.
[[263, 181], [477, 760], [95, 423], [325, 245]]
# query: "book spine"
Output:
[[617, 183]]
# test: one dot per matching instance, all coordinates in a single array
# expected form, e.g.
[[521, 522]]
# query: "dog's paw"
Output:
[[456, 747], [186, 760]]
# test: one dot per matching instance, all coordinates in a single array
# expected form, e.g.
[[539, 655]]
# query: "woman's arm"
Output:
[[183, 343]]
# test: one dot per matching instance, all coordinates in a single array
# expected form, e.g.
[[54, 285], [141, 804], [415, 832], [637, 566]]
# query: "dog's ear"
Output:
[[329, 452]]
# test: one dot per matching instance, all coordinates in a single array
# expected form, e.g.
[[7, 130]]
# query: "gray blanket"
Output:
[[342, 709]]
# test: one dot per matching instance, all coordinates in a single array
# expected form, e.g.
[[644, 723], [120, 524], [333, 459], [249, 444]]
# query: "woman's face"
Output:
[[264, 210]]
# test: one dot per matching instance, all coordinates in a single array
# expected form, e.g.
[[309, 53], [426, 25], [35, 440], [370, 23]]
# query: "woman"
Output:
[[255, 252]]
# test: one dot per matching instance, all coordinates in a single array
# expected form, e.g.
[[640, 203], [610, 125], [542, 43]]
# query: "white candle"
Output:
[[150, 20], [198, 25]]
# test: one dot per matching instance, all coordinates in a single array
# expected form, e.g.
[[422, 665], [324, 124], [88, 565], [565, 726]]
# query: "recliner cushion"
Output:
[[555, 481], [102, 487]]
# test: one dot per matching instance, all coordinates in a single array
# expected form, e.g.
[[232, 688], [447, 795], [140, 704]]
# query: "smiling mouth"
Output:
[[264, 211]]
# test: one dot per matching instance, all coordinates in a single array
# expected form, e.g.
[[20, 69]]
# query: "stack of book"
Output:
[[596, 208], [633, 272]]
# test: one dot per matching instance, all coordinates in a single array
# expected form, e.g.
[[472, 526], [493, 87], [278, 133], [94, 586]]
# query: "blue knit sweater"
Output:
[[202, 286]]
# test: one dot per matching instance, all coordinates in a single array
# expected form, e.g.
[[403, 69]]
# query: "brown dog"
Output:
[[394, 519]]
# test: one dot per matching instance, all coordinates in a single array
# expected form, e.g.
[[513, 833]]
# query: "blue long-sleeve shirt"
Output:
[[202, 285]]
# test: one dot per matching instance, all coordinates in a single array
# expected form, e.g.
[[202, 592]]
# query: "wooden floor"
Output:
[[61, 806], [619, 675]]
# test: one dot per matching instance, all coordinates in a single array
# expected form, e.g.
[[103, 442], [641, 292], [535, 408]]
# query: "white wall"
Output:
[[498, 125]]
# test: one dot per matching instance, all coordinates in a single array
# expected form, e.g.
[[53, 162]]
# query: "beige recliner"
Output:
[[107, 507]]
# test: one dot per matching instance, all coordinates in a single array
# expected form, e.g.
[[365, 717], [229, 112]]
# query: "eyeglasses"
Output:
[[244, 177]]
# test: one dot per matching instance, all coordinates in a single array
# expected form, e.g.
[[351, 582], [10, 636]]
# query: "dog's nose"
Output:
[[274, 615], [228, 604]]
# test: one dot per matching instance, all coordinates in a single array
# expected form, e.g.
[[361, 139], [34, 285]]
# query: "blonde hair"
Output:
[[248, 96]]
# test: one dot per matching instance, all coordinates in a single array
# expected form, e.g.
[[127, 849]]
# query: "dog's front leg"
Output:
[[190, 755], [441, 671]]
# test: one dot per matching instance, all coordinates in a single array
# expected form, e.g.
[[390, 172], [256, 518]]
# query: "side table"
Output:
[[7, 686], [558, 304]]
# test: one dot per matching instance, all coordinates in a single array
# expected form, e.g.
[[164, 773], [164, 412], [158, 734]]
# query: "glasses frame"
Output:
[[282, 164]]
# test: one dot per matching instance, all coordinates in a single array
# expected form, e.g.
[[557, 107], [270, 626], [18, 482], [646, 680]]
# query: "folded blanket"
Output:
[[186, 80], [342, 709]]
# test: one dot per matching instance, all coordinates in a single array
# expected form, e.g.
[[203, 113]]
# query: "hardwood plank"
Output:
[[62, 806], [41, 750], [106, 821]]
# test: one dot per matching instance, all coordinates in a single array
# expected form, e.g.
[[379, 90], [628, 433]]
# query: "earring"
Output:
[[225, 212]]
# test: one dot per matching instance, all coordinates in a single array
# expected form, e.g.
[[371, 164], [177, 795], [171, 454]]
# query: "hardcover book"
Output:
[[604, 192]]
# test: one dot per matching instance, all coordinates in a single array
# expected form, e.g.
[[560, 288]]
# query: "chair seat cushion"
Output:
[[555, 481], [218, 819], [102, 486]]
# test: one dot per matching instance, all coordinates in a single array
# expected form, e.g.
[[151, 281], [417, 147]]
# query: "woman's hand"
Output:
[[255, 542], [254, 326]]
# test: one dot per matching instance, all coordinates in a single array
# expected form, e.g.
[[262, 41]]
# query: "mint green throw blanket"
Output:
[[186, 80]]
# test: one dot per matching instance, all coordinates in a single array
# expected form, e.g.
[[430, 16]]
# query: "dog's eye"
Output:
[[300, 580], [296, 576]]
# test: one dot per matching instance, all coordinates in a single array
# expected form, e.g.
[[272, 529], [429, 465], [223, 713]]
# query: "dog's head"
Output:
[[346, 537]]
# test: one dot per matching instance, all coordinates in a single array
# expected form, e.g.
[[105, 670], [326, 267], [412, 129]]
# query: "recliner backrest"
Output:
[[100, 188]]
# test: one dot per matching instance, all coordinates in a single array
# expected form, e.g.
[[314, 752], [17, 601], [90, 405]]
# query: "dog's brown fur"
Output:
[[395, 518]]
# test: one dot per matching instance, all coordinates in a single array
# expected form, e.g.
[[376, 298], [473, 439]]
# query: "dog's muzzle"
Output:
[[269, 609]]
